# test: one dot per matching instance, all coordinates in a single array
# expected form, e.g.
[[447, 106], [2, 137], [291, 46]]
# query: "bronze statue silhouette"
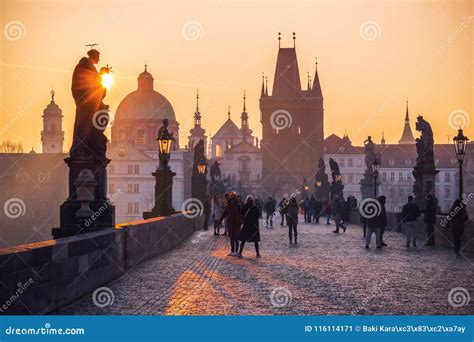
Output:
[[88, 93]]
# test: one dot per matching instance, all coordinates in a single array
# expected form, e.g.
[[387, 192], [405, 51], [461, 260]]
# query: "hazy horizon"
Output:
[[371, 57]]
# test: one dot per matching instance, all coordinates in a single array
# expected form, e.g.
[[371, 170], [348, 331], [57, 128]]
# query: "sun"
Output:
[[107, 80]]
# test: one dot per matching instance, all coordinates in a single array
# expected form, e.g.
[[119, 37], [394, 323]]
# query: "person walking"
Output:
[[216, 212], [292, 219], [223, 206], [269, 211], [233, 222], [456, 220], [306, 208], [410, 214], [328, 211], [337, 216], [381, 221], [282, 210], [207, 212], [429, 218], [312, 212], [250, 231], [318, 205]]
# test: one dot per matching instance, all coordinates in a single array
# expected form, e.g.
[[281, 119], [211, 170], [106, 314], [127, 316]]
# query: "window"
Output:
[[392, 176], [130, 188], [341, 162], [447, 177], [218, 150], [111, 188], [400, 176], [350, 180], [122, 152], [130, 169], [392, 192], [384, 176], [136, 169], [350, 162], [141, 137], [111, 169], [359, 162], [136, 188], [132, 208], [299, 130]]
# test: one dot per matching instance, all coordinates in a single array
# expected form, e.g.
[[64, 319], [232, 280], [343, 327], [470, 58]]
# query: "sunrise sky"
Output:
[[371, 56]]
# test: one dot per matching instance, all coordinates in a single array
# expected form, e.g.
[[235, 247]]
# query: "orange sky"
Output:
[[420, 49]]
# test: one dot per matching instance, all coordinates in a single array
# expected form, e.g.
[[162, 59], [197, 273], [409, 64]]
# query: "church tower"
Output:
[[52, 135], [197, 132], [407, 136], [292, 127]]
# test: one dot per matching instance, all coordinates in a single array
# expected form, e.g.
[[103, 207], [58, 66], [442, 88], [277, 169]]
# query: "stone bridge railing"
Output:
[[41, 277]]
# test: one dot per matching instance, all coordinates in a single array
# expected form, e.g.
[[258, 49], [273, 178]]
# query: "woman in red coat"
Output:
[[233, 223]]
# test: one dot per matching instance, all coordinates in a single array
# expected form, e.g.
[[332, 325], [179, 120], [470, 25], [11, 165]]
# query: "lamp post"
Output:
[[460, 142], [318, 184], [375, 172], [163, 176]]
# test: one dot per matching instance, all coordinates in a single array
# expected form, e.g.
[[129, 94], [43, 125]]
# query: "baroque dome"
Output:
[[144, 103]]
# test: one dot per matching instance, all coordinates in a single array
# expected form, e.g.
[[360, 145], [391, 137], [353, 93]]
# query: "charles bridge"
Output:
[[168, 265]]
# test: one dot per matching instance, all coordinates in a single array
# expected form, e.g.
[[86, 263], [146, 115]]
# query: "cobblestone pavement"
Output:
[[324, 274]]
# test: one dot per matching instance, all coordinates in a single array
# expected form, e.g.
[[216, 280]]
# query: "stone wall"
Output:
[[41, 277]]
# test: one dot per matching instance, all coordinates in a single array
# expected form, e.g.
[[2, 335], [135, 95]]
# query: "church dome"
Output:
[[145, 103]]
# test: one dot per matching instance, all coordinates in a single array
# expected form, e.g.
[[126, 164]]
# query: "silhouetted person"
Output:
[[457, 220], [410, 214], [318, 205], [328, 211], [381, 221], [306, 208], [216, 213], [337, 215], [250, 231], [312, 211], [292, 219], [282, 210], [429, 218], [269, 210], [233, 223]]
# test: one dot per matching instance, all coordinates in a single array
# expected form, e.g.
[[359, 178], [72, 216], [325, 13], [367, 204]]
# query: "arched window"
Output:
[[141, 137]]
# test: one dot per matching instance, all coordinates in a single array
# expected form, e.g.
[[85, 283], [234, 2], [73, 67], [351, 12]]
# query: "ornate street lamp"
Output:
[[460, 143], [163, 176], [202, 166], [375, 172]]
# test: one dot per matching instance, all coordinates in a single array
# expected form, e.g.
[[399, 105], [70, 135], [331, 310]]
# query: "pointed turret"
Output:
[[197, 132], [407, 135], [382, 141], [316, 88], [244, 121], [262, 93]]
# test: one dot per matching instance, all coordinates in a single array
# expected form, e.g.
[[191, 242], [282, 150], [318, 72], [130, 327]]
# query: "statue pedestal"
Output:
[[163, 194], [425, 184], [367, 186], [199, 187], [72, 218]]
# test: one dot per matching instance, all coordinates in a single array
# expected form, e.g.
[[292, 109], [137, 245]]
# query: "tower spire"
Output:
[[262, 93], [407, 119], [244, 101], [382, 141], [228, 112], [407, 135], [309, 81], [316, 88], [266, 86], [294, 40], [279, 39], [197, 100]]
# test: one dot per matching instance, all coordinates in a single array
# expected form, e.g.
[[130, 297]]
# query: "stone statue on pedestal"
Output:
[[367, 184], [425, 169], [87, 159], [322, 182], [336, 185]]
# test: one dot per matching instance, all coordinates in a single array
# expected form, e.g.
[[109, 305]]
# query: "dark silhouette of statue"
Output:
[[334, 169], [91, 112], [215, 172], [164, 134], [322, 178], [424, 145], [370, 155], [336, 185]]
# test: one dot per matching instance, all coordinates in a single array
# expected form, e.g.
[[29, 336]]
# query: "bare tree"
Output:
[[9, 146]]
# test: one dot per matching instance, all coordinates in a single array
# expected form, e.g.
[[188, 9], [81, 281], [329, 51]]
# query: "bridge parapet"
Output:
[[41, 277]]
